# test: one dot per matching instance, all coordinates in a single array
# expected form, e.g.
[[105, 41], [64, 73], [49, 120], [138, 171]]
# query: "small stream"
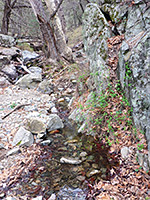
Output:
[[68, 181], [86, 160]]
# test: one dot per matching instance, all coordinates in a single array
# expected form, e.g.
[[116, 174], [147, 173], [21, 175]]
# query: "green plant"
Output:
[[138, 169], [147, 198], [140, 146], [13, 105]]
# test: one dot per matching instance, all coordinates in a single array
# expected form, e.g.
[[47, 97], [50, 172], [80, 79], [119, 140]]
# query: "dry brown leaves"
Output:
[[21, 165], [128, 181]]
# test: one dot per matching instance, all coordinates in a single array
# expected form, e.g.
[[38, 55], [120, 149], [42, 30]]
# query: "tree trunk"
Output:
[[50, 47], [62, 47], [6, 17]]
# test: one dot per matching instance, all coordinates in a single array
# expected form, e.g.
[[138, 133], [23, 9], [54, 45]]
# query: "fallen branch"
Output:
[[23, 66], [16, 108]]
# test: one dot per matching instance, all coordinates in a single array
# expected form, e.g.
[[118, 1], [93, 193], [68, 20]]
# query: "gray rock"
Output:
[[143, 161], [37, 70], [54, 110], [46, 87], [83, 154], [75, 115], [4, 60], [4, 82], [46, 142], [23, 138], [10, 71], [54, 122], [133, 68], [67, 193], [81, 178], [27, 55], [96, 31], [7, 41], [35, 125], [13, 151], [29, 80], [13, 51], [92, 173], [71, 161], [124, 152]]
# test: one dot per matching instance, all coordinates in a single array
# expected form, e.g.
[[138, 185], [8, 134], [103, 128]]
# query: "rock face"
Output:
[[134, 54], [96, 33]]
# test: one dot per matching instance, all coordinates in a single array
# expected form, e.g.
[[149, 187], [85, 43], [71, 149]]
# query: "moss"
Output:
[[24, 46]]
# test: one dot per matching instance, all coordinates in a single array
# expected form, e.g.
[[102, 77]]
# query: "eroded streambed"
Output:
[[65, 167]]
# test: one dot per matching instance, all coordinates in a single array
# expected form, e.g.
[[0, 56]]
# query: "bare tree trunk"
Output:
[[46, 30], [6, 17], [62, 47]]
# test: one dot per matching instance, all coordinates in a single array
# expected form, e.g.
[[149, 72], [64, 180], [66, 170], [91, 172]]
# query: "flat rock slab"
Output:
[[23, 138]]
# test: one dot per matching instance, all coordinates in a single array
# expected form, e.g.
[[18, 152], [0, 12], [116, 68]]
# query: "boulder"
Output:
[[13, 51], [4, 82], [4, 60], [35, 125], [10, 71], [37, 70], [29, 80], [54, 122], [46, 87], [7, 41], [28, 56], [23, 137]]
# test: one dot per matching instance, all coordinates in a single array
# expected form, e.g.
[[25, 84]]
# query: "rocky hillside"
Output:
[[116, 38]]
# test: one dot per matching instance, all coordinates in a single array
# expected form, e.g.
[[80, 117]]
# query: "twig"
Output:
[[16, 108]]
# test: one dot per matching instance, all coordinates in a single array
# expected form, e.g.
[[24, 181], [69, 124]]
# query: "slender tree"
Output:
[[62, 47], [46, 29], [53, 36], [8, 6]]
